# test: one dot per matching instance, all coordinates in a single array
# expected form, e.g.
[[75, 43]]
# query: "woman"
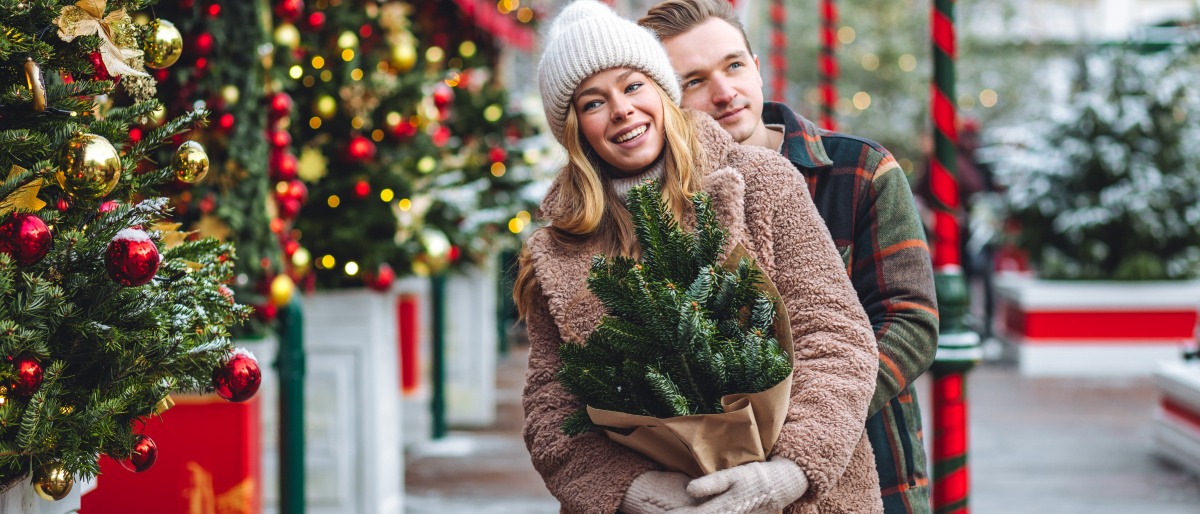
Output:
[[610, 98]]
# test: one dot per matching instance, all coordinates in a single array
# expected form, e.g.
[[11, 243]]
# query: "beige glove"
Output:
[[754, 488], [657, 492]]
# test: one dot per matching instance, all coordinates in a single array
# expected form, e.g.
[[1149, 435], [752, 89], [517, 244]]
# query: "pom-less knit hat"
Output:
[[587, 38]]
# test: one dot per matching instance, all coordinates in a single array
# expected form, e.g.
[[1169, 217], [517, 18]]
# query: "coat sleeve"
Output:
[[587, 473], [835, 350], [894, 280]]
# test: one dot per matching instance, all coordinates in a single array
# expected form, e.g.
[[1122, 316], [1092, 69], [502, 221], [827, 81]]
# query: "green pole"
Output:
[[290, 363], [437, 404]]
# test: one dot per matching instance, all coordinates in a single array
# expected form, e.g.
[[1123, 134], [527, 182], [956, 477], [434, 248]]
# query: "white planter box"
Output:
[[1081, 328], [20, 498], [472, 342], [353, 463], [1177, 416]]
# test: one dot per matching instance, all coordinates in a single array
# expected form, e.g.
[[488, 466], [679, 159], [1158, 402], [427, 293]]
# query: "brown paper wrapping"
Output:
[[700, 444]]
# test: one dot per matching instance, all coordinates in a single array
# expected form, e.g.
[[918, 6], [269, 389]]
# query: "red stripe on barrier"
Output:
[[943, 34], [408, 319], [945, 246], [1100, 325], [952, 488]]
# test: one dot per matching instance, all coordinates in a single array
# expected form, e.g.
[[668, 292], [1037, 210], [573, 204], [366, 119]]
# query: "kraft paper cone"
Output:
[[703, 443]]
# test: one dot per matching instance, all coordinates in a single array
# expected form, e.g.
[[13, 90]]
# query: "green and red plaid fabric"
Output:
[[865, 200]]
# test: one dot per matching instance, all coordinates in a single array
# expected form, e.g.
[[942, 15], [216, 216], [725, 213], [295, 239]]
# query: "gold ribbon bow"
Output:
[[87, 18], [24, 198]]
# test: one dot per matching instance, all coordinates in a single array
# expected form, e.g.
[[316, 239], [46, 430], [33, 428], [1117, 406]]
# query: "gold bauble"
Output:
[[37, 86], [282, 289], [404, 56], [230, 94], [89, 167], [287, 36], [302, 260], [348, 39], [162, 45], [326, 106], [52, 482], [190, 162]]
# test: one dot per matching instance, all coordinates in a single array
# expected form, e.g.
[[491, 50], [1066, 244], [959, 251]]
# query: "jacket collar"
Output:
[[801, 138]]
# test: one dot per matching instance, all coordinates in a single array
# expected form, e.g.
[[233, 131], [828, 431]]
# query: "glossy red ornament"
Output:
[[441, 136], [29, 376], [290, 247], [289, 9], [360, 148], [497, 154], [25, 237], [280, 139], [453, 254], [131, 258], [266, 312], [238, 378], [214, 10], [281, 105], [380, 280], [101, 71], [225, 122], [142, 456], [204, 43], [108, 206], [288, 207], [316, 20], [284, 165], [404, 130], [297, 190], [135, 135], [442, 95], [362, 188], [63, 205]]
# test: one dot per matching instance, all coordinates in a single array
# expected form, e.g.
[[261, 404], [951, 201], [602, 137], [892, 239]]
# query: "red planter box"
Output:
[[209, 462], [1081, 328]]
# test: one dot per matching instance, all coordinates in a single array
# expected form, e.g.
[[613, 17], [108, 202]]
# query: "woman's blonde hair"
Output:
[[588, 206]]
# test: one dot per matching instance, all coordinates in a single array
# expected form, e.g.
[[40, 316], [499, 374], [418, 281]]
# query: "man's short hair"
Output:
[[674, 17]]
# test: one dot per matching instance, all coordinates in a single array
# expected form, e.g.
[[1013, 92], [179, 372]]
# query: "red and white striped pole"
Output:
[[958, 348], [827, 64], [778, 55]]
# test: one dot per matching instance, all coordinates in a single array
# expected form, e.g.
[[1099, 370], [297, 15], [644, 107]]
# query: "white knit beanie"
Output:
[[587, 38]]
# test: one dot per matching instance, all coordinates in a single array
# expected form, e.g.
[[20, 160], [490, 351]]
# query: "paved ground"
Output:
[[1039, 446]]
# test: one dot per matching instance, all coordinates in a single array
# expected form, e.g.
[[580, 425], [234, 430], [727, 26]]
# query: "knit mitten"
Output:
[[754, 488], [657, 492]]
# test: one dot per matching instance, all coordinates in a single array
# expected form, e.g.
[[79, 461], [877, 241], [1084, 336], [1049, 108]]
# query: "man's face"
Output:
[[720, 77]]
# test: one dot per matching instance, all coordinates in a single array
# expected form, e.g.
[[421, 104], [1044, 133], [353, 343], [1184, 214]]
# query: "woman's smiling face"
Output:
[[621, 116]]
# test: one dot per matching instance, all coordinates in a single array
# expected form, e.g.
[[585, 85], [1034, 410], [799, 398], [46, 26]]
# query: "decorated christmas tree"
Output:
[[1123, 149], [222, 69], [105, 309], [406, 141], [681, 330]]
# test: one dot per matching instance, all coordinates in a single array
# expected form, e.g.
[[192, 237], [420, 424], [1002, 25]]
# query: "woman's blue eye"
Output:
[[633, 87], [591, 105]]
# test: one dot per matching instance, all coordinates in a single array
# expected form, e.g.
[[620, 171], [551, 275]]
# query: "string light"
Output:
[[328, 262], [404, 204], [498, 169], [525, 15], [467, 49], [846, 35], [356, 74], [334, 201], [988, 98], [862, 100], [377, 135], [908, 62], [351, 268], [314, 122], [870, 62], [318, 62], [386, 195], [515, 225], [434, 54], [492, 113], [295, 72]]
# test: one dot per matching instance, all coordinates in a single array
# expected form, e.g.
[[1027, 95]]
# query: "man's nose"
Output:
[[722, 91]]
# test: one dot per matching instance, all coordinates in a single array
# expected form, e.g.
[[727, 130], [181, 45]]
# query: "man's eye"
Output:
[[736, 65], [690, 83]]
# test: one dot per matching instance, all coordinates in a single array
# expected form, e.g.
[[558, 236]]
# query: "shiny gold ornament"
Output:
[[52, 482], [282, 289], [287, 36], [230, 94], [313, 165], [404, 56], [302, 260], [190, 162], [89, 167], [37, 86], [162, 45]]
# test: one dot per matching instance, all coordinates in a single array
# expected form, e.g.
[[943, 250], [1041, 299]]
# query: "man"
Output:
[[865, 200]]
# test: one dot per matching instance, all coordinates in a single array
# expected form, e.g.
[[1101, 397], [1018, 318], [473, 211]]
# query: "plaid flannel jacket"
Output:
[[865, 200]]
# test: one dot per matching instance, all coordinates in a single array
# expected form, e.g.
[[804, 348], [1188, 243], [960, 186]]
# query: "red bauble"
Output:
[[288, 208], [362, 188], [441, 136], [266, 312], [101, 71], [132, 258], [135, 135], [296, 190], [142, 456], [108, 206], [381, 280], [63, 205], [497, 154], [442, 95], [453, 254], [316, 20], [283, 165], [281, 105], [25, 237], [289, 10], [225, 122], [204, 43], [280, 139], [360, 148], [238, 378], [404, 130], [29, 376], [290, 247]]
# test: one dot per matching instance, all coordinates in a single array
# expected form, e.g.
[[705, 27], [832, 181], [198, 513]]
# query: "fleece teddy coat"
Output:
[[763, 203]]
